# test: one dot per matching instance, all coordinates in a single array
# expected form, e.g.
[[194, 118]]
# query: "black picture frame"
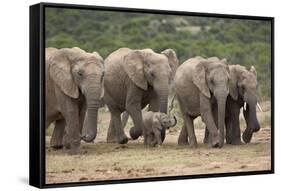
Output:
[[37, 94]]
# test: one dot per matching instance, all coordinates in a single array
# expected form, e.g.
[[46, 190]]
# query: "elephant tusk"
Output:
[[259, 107], [244, 107]]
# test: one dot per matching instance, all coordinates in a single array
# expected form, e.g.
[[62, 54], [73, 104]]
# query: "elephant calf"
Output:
[[155, 123]]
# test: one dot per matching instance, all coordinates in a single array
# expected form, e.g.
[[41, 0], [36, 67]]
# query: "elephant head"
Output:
[[160, 122], [148, 69], [211, 76], [243, 85], [167, 121], [78, 73]]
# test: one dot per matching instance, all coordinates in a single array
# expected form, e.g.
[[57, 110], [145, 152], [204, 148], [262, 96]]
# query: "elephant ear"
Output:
[[133, 65], [233, 82], [61, 74], [173, 60], [98, 56], [253, 70], [199, 78]]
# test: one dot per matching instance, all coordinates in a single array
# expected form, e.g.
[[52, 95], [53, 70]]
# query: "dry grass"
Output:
[[102, 161]]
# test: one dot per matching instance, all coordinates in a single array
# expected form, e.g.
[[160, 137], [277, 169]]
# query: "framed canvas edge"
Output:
[[37, 88]]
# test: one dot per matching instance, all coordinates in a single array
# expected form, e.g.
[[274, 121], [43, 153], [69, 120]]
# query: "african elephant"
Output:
[[243, 85], [202, 86], [172, 57], [134, 79], [73, 87], [154, 123]]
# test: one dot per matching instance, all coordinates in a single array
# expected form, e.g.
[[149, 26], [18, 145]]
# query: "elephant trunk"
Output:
[[251, 121], [89, 130], [162, 93], [221, 101]]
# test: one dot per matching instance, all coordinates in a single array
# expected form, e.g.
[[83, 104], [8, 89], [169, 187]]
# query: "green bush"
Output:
[[245, 42]]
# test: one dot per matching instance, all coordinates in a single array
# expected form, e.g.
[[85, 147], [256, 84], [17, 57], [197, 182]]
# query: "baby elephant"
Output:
[[154, 123]]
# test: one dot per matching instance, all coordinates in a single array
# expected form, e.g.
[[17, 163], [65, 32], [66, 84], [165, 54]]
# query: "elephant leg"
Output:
[[228, 128], [190, 130], [148, 139], [235, 128], [125, 117], [117, 125], [70, 112], [138, 129], [206, 136], [57, 136], [183, 137], [208, 119], [228, 121], [111, 133]]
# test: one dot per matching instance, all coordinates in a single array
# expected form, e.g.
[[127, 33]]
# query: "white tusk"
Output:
[[244, 106], [259, 107]]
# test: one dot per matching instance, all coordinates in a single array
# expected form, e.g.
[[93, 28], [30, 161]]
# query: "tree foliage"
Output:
[[245, 42]]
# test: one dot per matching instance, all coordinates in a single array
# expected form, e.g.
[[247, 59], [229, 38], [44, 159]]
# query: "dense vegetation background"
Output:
[[245, 42]]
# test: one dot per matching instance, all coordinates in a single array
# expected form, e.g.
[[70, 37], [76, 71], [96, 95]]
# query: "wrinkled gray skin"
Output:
[[174, 64], [73, 87], [154, 123], [134, 79], [202, 86], [243, 85]]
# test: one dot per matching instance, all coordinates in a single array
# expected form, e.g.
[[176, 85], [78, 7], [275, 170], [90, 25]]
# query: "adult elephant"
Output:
[[133, 79], [73, 87], [243, 85], [202, 86]]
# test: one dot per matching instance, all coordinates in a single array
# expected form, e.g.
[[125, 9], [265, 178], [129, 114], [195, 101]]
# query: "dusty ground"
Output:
[[102, 161]]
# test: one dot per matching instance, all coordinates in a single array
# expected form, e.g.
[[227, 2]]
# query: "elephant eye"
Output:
[[80, 73]]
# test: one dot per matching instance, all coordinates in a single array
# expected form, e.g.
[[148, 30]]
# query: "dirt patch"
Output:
[[104, 161]]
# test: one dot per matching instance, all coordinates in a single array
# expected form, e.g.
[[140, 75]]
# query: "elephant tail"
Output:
[[171, 105]]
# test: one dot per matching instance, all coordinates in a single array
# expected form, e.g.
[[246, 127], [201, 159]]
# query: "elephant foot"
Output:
[[56, 143], [193, 144], [74, 149], [228, 141], [182, 140], [135, 133], [236, 142], [111, 139], [215, 143], [123, 140], [247, 137], [206, 140], [57, 147]]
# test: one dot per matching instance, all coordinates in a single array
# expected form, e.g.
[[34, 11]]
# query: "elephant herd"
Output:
[[78, 83]]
